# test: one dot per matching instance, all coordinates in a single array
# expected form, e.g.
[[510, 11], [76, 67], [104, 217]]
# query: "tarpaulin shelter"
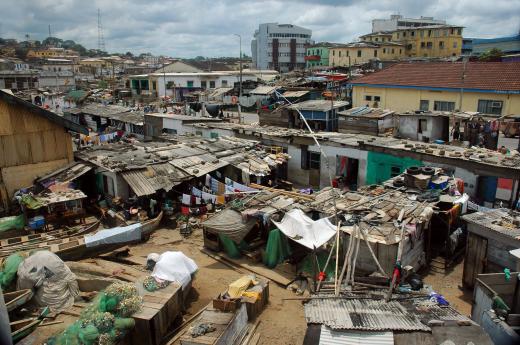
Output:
[[307, 232], [229, 223]]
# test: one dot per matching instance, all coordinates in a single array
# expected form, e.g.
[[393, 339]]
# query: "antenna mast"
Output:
[[101, 39]]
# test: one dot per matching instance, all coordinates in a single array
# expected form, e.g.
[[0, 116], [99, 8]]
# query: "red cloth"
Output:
[[185, 210]]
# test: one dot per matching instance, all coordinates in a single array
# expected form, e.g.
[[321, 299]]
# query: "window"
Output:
[[339, 53], [377, 98], [375, 52], [422, 33], [455, 44], [443, 106], [400, 51], [459, 32], [397, 35], [224, 83], [490, 107], [189, 83], [376, 39], [429, 45], [368, 98], [425, 105], [213, 135], [384, 50], [211, 84], [359, 53], [154, 85], [423, 44], [313, 159], [441, 44], [333, 53], [422, 126], [412, 33], [393, 50], [203, 84], [429, 33], [404, 34]]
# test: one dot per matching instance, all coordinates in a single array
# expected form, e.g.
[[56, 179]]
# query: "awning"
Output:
[[66, 174], [307, 232], [229, 223], [148, 181]]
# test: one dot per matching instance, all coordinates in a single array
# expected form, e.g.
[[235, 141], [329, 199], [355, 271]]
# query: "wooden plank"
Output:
[[252, 267], [474, 260]]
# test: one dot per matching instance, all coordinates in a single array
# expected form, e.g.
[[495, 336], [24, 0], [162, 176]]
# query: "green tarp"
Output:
[[277, 249], [14, 222]]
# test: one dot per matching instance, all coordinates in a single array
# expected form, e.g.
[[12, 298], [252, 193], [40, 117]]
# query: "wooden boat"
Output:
[[44, 240], [21, 329], [17, 299], [77, 250], [45, 236]]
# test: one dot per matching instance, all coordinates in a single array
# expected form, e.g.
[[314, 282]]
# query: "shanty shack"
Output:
[[492, 233], [33, 142]]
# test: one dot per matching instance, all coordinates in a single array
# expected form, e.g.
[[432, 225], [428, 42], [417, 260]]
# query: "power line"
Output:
[[101, 39]]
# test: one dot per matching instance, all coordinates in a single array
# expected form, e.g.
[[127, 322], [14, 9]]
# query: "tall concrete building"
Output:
[[397, 22], [280, 47]]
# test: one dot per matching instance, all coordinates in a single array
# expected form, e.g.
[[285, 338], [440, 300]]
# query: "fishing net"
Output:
[[306, 266], [106, 319], [8, 269], [277, 249]]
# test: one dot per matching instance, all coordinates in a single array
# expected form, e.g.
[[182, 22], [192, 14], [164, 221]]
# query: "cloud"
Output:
[[206, 27]]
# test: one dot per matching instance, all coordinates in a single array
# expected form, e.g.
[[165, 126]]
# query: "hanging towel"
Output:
[[220, 199], [186, 199], [214, 185], [242, 188], [207, 197], [185, 210], [228, 181], [230, 190], [197, 200], [196, 192], [245, 178], [208, 180]]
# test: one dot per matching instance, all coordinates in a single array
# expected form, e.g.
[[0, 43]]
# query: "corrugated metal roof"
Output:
[[263, 90], [66, 174], [199, 165], [153, 178], [361, 314], [334, 337]]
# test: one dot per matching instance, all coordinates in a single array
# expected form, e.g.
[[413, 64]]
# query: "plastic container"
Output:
[[36, 222]]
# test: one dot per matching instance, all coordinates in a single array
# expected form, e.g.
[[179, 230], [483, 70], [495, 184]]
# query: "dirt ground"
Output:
[[282, 322], [449, 285]]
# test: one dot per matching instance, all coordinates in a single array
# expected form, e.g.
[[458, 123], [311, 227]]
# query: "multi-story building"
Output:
[[362, 52], [430, 41], [318, 54], [52, 52], [281, 47], [397, 22]]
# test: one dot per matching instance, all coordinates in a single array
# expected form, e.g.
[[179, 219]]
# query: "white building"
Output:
[[59, 65], [57, 81], [176, 85], [280, 46], [397, 21]]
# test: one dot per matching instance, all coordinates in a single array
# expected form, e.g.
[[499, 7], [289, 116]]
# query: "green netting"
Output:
[[9, 269], [277, 249], [106, 320], [14, 222], [306, 266], [230, 247]]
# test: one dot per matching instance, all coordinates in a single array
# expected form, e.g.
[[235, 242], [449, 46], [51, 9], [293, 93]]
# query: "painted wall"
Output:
[[404, 99], [435, 127], [382, 166]]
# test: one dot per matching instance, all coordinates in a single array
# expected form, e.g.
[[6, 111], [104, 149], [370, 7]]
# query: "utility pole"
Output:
[[50, 30], [240, 80]]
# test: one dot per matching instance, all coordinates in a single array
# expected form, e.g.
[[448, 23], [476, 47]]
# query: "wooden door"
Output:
[[474, 262]]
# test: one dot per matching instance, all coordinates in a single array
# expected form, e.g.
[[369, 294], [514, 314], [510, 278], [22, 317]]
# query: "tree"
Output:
[[129, 55], [21, 52], [494, 54]]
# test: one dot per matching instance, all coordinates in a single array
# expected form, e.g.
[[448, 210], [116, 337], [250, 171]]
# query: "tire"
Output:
[[398, 183], [413, 170], [428, 171]]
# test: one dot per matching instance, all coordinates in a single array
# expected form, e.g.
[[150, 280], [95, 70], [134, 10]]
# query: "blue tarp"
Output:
[[115, 235]]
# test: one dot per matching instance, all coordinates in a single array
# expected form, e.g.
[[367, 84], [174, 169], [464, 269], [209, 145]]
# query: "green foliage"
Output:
[[494, 54], [102, 84]]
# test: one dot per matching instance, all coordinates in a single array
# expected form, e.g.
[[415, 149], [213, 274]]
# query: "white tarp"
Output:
[[120, 234], [307, 232], [175, 267]]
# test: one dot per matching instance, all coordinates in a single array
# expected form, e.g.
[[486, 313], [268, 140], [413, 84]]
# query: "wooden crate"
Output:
[[255, 307], [160, 309], [226, 305]]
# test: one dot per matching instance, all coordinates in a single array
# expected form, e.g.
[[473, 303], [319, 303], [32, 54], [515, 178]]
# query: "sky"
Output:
[[207, 27]]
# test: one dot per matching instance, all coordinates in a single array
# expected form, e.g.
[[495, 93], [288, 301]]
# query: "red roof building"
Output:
[[487, 87]]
